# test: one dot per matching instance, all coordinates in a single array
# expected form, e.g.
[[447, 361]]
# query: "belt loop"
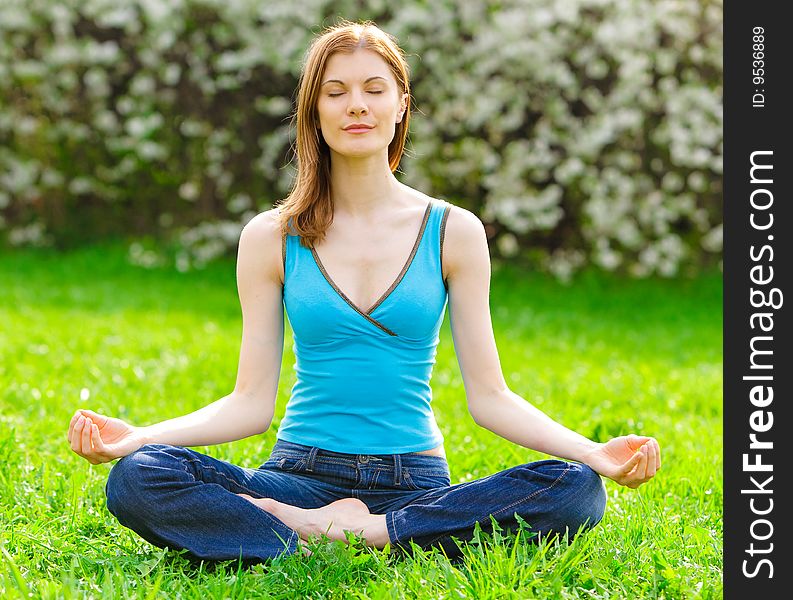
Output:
[[397, 469], [312, 456]]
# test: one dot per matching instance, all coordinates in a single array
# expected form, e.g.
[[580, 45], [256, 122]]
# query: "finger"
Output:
[[76, 435], [100, 420], [72, 424], [637, 441], [652, 465], [640, 472], [645, 462], [86, 439], [658, 453], [96, 439], [630, 464]]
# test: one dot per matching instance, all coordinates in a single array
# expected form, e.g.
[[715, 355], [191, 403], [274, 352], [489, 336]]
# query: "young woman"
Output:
[[364, 266]]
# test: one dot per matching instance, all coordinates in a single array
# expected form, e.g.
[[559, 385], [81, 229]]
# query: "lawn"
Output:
[[604, 356]]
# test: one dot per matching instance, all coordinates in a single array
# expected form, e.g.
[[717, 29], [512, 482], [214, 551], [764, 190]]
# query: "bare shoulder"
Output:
[[465, 242], [265, 224], [260, 246], [462, 223]]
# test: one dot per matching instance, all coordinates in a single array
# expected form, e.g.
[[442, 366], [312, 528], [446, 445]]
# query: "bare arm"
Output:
[[225, 420], [248, 409], [490, 401]]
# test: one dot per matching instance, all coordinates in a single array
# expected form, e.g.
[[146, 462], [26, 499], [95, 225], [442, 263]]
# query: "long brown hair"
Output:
[[309, 203]]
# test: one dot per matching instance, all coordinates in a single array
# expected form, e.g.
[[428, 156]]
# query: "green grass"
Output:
[[602, 355]]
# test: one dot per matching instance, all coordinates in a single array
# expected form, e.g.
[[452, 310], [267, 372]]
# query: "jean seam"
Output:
[[409, 479], [380, 469], [426, 472], [291, 537], [534, 494], [393, 527], [181, 460], [223, 475], [501, 510], [318, 459], [351, 463], [276, 455], [297, 468]]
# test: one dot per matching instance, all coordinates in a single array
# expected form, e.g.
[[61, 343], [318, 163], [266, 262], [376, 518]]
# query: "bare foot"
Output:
[[347, 514], [301, 546]]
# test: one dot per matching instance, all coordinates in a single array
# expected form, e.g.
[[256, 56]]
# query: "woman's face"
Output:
[[359, 88]]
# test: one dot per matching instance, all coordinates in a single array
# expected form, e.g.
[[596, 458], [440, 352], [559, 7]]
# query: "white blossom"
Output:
[[604, 115]]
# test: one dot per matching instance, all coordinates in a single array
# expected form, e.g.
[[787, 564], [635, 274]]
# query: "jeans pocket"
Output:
[[288, 464], [421, 480]]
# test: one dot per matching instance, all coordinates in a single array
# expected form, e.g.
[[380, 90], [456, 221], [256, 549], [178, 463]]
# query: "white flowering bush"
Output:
[[582, 132]]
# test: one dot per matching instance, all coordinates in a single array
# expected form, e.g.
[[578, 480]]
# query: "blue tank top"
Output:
[[363, 374]]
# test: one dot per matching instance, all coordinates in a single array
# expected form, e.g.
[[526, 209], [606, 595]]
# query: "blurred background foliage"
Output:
[[583, 132]]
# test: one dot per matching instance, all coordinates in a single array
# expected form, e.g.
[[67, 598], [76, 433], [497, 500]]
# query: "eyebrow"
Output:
[[341, 82]]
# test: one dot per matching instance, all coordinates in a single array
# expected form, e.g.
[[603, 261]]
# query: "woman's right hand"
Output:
[[100, 439]]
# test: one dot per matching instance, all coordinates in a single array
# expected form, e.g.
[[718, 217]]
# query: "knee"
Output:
[[585, 501], [127, 487]]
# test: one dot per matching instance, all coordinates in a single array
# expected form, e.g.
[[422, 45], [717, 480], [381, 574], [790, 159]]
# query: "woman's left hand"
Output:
[[630, 460]]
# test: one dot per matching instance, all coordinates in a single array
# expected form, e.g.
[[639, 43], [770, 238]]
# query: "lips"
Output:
[[358, 126]]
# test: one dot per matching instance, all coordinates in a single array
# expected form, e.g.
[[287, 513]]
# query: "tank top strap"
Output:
[[433, 237], [439, 213], [287, 242], [446, 208], [283, 250], [436, 231]]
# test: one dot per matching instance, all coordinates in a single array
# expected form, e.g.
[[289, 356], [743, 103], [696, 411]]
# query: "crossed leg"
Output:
[[177, 497], [551, 495]]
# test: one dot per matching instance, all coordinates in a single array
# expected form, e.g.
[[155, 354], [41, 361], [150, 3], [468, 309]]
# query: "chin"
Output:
[[358, 150]]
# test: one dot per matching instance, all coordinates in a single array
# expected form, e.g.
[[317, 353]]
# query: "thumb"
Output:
[[628, 466]]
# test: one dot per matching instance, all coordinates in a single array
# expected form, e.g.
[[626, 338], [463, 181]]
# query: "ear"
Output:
[[403, 108]]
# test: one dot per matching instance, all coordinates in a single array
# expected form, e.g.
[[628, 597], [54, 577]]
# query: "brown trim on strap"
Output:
[[443, 234], [283, 252], [346, 299], [408, 262]]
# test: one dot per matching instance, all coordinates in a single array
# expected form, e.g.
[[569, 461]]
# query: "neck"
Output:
[[362, 187]]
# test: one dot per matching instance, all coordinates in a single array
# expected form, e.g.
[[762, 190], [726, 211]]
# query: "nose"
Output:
[[357, 106]]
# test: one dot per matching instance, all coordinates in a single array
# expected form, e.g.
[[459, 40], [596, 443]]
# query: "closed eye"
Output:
[[340, 93]]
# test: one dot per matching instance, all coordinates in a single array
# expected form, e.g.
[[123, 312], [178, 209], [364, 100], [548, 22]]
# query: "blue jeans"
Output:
[[178, 498]]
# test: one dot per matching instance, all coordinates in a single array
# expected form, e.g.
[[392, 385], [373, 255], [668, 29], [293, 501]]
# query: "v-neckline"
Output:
[[392, 287]]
